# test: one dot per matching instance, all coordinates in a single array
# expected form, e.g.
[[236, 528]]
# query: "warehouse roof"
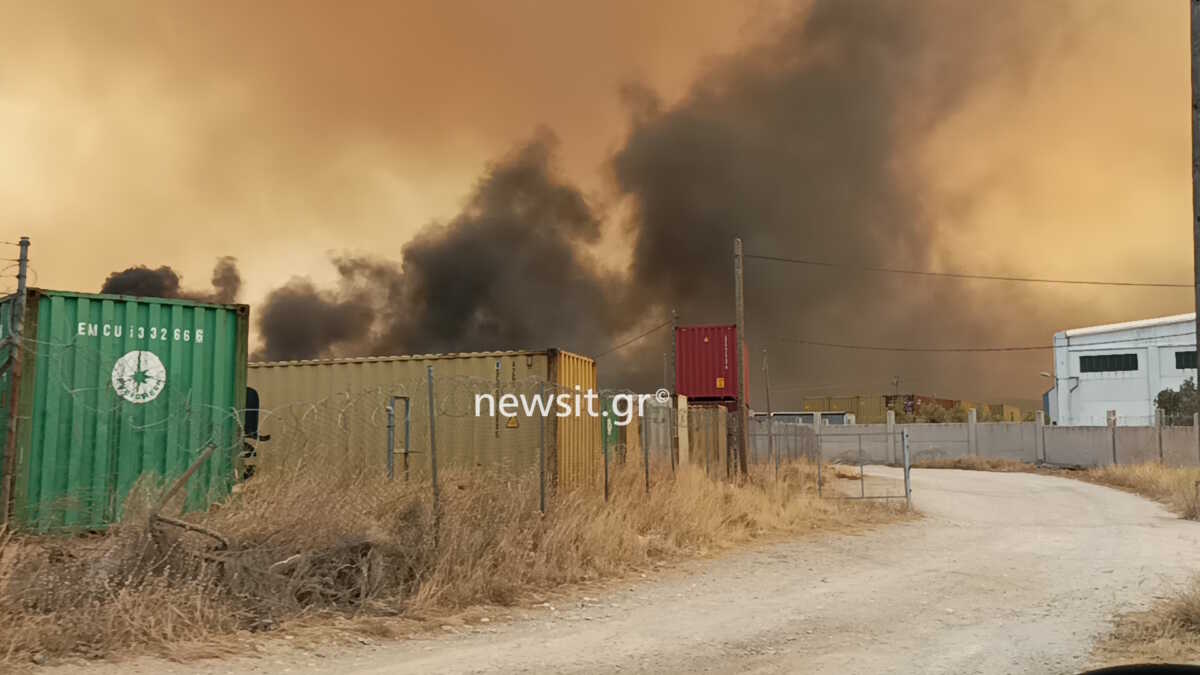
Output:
[[1189, 318]]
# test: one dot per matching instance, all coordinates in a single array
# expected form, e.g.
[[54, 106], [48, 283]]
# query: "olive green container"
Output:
[[102, 391]]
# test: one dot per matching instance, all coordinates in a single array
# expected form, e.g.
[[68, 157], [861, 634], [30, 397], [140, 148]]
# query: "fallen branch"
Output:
[[156, 518], [182, 480], [183, 524]]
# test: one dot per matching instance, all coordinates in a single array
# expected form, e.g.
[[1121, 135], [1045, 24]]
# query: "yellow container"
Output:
[[338, 408]]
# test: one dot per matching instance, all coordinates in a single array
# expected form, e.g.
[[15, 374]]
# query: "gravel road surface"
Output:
[[1007, 573]]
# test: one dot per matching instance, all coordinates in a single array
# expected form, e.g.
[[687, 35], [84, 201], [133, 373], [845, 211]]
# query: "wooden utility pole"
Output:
[[674, 352], [739, 264], [1195, 32]]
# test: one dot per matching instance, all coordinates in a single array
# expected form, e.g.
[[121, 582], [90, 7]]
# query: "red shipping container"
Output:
[[706, 362]]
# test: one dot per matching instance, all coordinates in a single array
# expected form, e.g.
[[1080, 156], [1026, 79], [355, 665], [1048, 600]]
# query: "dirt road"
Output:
[[1008, 573]]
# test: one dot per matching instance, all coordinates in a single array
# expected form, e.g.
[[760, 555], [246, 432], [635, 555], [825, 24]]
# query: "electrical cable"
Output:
[[961, 275]]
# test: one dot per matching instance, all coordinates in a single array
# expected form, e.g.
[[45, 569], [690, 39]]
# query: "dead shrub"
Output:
[[307, 542]]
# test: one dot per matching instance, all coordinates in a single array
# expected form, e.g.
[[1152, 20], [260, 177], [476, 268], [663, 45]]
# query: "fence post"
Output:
[[1158, 428], [907, 470], [820, 441], [820, 461], [682, 431], [891, 435], [1039, 436], [708, 445], [1111, 419], [972, 432], [407, 433], [673, 427], [605, 426], [391, 438], [433, 448], [771, 449], [1196, 433], [645, 450], [542, 451], [645, 431], [862, 476]]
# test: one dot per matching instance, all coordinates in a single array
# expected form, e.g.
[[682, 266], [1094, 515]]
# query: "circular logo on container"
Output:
[[139, 377]]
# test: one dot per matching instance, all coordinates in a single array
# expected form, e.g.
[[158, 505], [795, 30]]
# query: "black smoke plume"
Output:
[[804, 146], [508, 272], [165, 282]]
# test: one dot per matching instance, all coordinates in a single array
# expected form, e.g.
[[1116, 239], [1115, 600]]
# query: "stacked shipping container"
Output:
[[706, 364]]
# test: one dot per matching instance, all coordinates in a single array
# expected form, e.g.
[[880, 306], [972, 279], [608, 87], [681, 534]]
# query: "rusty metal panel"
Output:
[[580, 462], [706, 362]]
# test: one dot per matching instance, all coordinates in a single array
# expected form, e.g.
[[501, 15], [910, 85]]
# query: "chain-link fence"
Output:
[[83, 445]]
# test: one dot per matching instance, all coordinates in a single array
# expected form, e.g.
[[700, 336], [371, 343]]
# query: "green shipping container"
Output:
[[111, 389]]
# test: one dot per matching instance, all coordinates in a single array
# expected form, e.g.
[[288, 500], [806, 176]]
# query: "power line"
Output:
[[635, 339], [1021, 348], [960, 275]]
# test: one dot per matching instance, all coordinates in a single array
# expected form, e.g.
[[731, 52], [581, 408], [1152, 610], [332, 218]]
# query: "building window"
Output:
[[1109, 363], [1185, 360]]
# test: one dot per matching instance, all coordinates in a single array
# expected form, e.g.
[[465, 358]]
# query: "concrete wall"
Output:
[[936, 441], [1137, 445], [1079, 446], [1180, 446], [845, 443], [1018, 441], [1007, 440]]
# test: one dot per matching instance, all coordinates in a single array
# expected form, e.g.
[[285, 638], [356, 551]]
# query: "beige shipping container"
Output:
[[339, 408]]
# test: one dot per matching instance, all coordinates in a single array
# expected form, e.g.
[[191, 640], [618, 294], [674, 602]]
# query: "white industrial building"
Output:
[[1121, 367]]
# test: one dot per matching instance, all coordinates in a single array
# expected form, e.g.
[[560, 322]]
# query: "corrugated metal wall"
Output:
[[115, 388], [580, 462], [337, 409], [706, 362]]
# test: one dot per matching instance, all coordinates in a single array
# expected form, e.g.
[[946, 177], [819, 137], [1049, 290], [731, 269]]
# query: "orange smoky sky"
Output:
[[181, 131], [177, 132]]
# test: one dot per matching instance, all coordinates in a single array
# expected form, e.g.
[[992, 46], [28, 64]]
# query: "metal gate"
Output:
[[849, 449]]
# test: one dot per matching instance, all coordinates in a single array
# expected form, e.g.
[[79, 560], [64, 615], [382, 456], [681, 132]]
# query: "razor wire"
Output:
[[347, 429]]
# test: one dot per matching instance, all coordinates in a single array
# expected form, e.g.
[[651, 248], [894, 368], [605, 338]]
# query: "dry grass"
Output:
[[1170, 630], [324, 544], [1174, 487], [974, 463], [1167, 633]]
